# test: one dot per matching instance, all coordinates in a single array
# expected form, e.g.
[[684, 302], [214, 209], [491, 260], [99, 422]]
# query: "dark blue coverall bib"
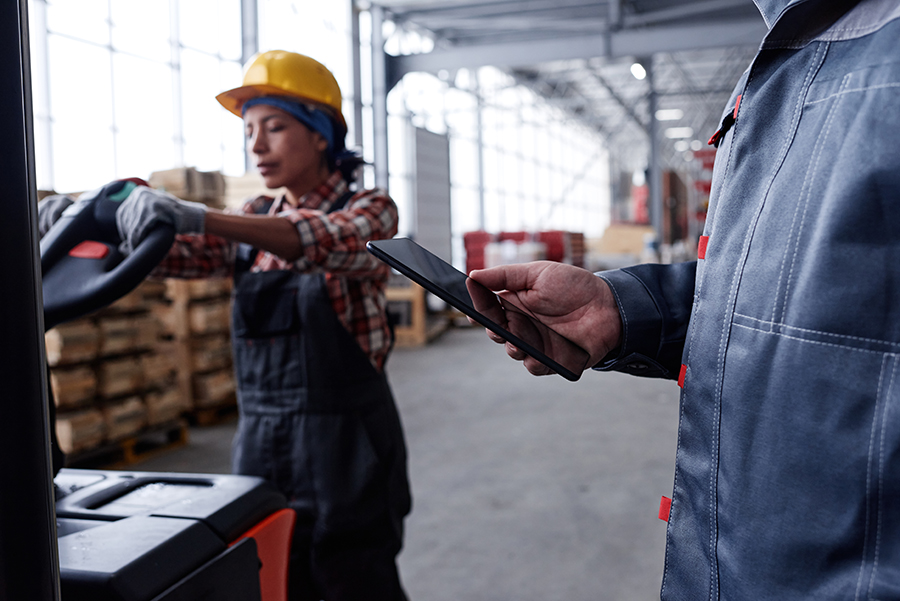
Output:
[[319, 421]]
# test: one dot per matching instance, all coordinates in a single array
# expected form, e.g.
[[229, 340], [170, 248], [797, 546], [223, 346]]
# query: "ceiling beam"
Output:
[[516, 22], [481, 9], [564, 103], [683, 11], [626, 106], [623, 43]]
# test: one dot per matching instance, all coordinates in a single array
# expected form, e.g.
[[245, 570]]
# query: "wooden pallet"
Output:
[[422, 327], [133, 449]]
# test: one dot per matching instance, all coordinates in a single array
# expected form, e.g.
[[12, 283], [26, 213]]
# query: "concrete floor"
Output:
[[524, 488]]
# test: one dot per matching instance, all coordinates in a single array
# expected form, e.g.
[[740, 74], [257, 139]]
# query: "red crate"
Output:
[[477, 239], [514, 236]]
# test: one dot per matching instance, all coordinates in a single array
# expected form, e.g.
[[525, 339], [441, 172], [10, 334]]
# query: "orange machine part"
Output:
[[273, 545]]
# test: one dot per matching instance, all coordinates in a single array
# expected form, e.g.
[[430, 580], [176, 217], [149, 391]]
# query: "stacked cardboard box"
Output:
[[187, 183], [196, 318], [111, 375], [239, 190]]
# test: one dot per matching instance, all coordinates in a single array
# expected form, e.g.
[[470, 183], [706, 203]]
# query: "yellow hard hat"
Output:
[[283, 73]]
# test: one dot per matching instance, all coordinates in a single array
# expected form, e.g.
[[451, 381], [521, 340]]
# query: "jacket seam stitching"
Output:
[[807, 192], [730, 307], [862, 563], [811, 331], [779, 297], [808, 341], [881, 451], [853, 91], [711, 504]]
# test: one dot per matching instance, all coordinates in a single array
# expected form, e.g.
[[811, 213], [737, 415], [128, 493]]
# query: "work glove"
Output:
[[145, 208], [50, 209]]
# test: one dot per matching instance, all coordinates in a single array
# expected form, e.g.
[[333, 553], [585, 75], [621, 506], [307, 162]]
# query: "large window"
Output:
[[541, 169], [124, 88]]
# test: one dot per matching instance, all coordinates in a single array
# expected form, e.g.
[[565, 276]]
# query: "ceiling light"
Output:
[[637, 69], [682, 145], [696, 145], [669, 114], [674, 133]]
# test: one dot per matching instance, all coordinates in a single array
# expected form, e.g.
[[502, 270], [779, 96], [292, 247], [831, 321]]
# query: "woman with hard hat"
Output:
[[310, 330]]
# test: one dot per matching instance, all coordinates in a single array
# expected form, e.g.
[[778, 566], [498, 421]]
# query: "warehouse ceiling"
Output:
[[579, 56]]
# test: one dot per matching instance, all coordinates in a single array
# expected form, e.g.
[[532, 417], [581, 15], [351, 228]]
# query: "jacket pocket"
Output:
[[807, 465]]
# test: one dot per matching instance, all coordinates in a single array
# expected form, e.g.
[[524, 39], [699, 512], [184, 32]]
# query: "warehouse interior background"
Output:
[[551, 110], [572, 130]]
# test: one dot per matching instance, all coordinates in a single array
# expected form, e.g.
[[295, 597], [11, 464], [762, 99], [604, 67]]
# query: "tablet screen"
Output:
[[484, 306]]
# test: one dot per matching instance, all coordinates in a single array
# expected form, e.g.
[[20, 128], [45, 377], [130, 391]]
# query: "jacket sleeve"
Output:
[[655, 304]]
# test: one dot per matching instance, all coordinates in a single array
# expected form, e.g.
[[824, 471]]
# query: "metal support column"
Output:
[[249, 47], [356, 56], [379, 98], [175, 62], [482, 210], [29, 562], [654, 179], [614, 204], [249, 29]]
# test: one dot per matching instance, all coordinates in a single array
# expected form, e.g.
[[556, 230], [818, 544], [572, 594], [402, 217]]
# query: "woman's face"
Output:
[[286, 152]]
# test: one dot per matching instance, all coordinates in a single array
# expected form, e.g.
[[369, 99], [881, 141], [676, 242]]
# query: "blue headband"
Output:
[[313, 118]]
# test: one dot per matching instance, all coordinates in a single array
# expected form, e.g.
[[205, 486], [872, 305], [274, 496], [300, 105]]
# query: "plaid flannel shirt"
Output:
[[333, 244]]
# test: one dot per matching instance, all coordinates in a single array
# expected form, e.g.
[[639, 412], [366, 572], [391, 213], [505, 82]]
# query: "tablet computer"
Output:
[[484, 306]]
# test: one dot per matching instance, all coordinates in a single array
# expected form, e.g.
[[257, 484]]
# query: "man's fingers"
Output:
[[504, 277], [494, 336], [515, 352], [536, 368]]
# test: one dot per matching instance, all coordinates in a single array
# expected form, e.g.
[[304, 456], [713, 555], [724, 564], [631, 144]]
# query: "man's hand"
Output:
[[570, 300]]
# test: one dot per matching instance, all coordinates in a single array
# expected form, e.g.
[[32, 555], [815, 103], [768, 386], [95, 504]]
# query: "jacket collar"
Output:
[[798, 22], [770, 9]]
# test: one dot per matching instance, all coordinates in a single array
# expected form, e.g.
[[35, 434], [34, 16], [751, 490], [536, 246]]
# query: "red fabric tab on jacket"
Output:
[[713, 141], [701, 247], [681, 375], [737, 103], [665, 506]]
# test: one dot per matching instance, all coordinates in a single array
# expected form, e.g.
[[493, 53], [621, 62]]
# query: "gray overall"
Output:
[[319, 421]]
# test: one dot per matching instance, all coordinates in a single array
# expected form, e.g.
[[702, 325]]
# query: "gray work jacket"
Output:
[[785, 334]]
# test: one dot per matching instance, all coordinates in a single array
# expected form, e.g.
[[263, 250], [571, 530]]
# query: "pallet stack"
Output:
[[188, 183], [196, 314], [196, 318], [112, 377]]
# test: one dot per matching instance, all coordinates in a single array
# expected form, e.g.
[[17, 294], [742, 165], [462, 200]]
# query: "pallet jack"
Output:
[[94, 534], [140, 536]]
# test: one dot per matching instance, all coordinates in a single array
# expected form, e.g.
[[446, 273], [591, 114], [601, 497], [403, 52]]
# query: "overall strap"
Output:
[[341, 202]]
